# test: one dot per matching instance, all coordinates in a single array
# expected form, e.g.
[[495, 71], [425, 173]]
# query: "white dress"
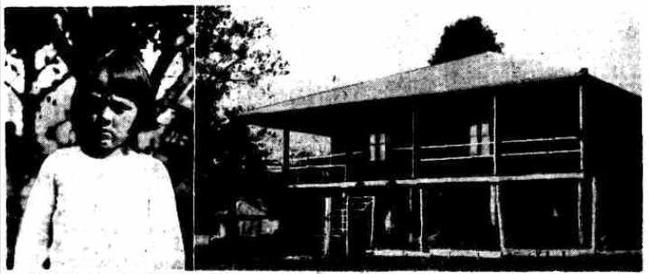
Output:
[[113, 213]]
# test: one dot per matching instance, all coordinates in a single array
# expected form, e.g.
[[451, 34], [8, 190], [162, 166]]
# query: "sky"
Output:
[[363, 40], [359, 40]]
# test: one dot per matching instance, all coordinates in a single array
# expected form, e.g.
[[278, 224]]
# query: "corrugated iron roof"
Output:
[[482, 70]]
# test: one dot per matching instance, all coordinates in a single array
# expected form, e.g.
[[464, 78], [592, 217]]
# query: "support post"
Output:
[[411, 212], [286, 161], [580, 223], [372, 220], [593, 216], [501, 231], [581, 128], [345, 217], [493, 204], [415, 142], [348, 162], [494, 139], [421, 219], [495, 188], [326, 240]]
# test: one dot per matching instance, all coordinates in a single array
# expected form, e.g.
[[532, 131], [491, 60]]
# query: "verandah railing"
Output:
[[432, 159]]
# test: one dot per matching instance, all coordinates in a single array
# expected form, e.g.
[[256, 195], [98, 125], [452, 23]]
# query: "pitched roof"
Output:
[[482, 70]]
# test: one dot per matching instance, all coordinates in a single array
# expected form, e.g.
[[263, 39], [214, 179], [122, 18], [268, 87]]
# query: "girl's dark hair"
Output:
[[120, 73]]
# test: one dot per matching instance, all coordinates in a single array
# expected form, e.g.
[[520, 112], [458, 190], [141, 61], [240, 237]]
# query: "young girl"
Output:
[[101, 204]]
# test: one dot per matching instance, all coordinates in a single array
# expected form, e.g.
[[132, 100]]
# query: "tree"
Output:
[[464, 38], [233, 56]]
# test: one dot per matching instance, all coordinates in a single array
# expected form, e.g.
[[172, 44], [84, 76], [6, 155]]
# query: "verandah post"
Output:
[[580, 222], [415, 141], [593, 216], [421, 219], [345, 222], [414, 124], [286, 149], [326, 239], [495, 187]]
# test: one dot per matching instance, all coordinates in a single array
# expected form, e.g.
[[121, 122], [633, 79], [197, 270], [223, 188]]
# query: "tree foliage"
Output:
[[464, 38], [233, 56]]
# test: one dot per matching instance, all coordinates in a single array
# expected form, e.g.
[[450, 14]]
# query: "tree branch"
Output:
[[55, 85], [231, 64], [14, 90]]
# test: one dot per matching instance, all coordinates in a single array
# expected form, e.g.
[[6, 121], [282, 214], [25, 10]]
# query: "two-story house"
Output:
[[486, 156]]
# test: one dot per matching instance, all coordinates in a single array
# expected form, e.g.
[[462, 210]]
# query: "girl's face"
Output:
[[111, 119]]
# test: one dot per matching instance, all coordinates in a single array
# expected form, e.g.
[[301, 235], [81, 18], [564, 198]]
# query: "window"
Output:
[[479, 144], [377, 147]]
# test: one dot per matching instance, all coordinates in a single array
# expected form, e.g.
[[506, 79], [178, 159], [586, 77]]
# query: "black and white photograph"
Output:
[[99, 137], [322, 136]]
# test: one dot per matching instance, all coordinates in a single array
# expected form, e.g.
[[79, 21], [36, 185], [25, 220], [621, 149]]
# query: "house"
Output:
[[486, 156]]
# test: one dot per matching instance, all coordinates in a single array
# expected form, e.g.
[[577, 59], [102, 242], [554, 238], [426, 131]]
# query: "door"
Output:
[[361, 229]]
